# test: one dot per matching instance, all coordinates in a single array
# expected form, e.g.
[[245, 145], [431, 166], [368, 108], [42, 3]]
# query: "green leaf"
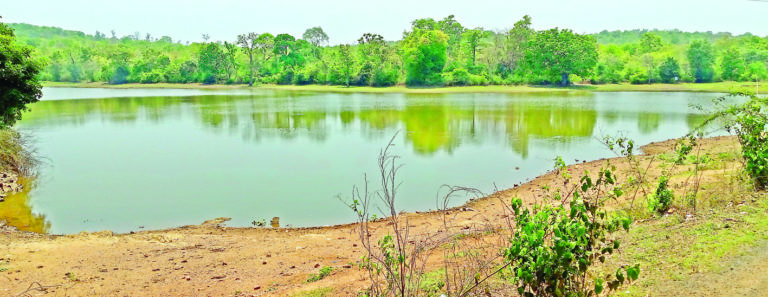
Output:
[[598, 285], [633, 272]]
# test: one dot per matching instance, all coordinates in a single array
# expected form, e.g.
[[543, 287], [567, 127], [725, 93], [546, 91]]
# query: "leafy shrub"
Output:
[[458, 77], [748, 121], [553, 247], [120, 75], [385, 78], [750, 127], [661, 200]]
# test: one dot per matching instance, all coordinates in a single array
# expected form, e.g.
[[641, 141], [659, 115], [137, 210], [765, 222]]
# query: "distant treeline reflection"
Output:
[[431, 122]]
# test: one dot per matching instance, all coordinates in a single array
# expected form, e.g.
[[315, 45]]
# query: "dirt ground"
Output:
[[214, 260]]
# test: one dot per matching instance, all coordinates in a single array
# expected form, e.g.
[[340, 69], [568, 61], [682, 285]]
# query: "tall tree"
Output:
[[424, 55], [231, 62], [265, 45], [732, 65], [248, 43], [701, 57], [756, 72], [669, 70], [451, 27], [346, 62], [473, 38], [19, 85], [316, 36], [516, 43], [559, 53]]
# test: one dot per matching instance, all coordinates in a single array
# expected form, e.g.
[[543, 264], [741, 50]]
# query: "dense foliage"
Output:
[[431, 53], [749, 122], [19, 84], [553, 247]]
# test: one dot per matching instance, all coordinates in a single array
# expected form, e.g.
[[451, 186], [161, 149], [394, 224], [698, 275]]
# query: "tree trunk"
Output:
[[564, 81]]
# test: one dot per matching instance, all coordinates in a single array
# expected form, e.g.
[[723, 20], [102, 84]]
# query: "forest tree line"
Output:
[[431, 53]]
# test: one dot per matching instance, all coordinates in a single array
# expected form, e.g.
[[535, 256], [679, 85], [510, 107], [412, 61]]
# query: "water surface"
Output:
[[164, 158]]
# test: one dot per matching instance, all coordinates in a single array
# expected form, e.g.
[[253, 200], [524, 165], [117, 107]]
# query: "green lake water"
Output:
[[125, 159]]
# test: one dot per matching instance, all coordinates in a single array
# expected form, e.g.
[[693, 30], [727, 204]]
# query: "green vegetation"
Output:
[[553, 248], [661, 200], [432, 53], [19, 84], [749, 121], [324, 271], [320, 292]]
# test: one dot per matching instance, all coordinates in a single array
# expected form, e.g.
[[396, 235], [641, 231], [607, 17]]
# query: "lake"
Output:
[[123, 160]]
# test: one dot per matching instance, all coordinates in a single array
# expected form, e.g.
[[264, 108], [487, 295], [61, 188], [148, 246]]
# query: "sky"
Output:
[[346, 20]]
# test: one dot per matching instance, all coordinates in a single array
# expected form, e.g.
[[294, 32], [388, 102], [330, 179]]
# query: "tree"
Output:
[[371, 49], [669, 70], [316, 36], [732, 65], [425, 56], [474, 37], [285, 50], [559, 53], [451, 27], [701, 57], [346, 62], [19, 84], [756, 71], [211, 62], [248, 43], [265, 44], [230, 64], [650, 42], [516, 43]]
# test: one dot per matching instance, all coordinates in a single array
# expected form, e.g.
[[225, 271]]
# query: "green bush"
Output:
[[661, 200], [750, 127], [385, 77], [553, 247]]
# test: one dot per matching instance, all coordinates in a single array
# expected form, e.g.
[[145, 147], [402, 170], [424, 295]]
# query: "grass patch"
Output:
[[674, 248], [319, 292], [433, 282], [324, 271]]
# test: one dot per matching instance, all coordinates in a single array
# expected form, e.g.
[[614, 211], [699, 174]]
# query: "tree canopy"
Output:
[[19, 83], [556, 54], [431, 53]]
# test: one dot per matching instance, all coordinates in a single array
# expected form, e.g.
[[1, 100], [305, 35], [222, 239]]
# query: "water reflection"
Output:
[[432, 123], [16, 211]]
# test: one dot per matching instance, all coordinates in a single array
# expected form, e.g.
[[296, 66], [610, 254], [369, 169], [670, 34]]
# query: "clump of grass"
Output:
[[325, 271], [16, 153]]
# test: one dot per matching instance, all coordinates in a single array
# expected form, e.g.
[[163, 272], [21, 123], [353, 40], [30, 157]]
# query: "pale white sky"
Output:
[[346, 20]]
